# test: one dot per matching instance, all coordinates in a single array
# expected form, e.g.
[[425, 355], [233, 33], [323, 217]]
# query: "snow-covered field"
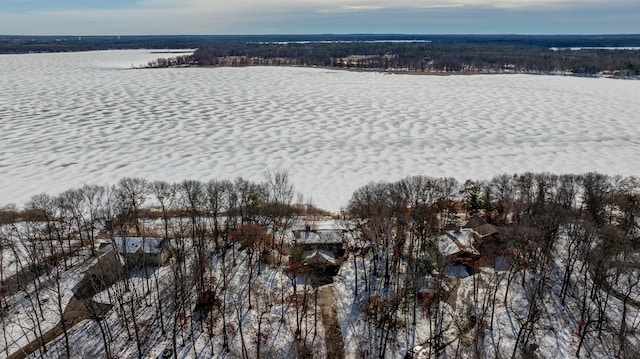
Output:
[[75, 118]]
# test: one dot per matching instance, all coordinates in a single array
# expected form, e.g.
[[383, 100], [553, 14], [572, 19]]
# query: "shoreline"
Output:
[[399, 72]]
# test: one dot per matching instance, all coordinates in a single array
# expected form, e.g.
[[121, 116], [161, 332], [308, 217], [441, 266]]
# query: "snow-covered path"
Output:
[[333, 335]]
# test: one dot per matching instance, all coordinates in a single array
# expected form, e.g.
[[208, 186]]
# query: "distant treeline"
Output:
[[26, 44], [436, 53], [478, 55], [36, 44]]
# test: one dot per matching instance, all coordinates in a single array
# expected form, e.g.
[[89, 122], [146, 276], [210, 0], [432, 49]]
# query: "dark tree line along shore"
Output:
[[407, 53], [469, 57]]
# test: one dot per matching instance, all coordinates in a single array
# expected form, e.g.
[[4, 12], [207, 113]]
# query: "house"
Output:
[[323, 235], [456, 251], [319, 266], [483, 230], [493, 249], [107, 270], [365, 61], [316, 249], [463, 239], [140, 251], [474, 222], [319, 258]]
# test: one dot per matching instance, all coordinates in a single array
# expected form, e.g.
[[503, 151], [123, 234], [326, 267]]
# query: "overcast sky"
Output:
[[168, 17]]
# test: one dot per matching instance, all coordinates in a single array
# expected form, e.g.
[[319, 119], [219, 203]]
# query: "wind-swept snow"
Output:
[[74, 118]]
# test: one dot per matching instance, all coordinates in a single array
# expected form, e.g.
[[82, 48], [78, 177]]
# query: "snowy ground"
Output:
[[196, 338], [16, 252], [484, 313], [22, 319], [357, 338], [74, 118]]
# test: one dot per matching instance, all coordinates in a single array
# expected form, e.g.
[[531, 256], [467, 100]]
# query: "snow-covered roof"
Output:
[[457, 241], [319, 256], [322, 236], [464, 238], [329, 225], [330, 236], [446, 246], [149, 245], [307, 237]]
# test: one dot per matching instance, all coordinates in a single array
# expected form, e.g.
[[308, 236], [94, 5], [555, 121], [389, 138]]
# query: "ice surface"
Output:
[[76, 118]]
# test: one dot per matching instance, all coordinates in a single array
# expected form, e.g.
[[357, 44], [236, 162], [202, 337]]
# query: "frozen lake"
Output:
[[75, 118]]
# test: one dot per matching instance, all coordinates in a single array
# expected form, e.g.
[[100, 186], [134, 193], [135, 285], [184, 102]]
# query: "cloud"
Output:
[[362, 7], [208, 6], [313, 16]]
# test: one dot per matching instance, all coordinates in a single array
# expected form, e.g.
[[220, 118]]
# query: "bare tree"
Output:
[[94, 197], [165, 194], [595, 193], [215, 205], [193, 198], [279, 203], [132, 194]]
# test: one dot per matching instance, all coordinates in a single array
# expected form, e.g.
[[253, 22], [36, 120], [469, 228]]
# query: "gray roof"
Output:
[[320, 236], [148, 245], [307, 237], [457, 241], [329, 236], [330, 225], [318, 256], [447, 246]]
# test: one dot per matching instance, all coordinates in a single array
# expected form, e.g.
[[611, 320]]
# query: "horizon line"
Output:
[[326, 34]]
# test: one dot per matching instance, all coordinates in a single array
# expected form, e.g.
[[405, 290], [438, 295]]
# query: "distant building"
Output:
[[232, 61], [366, 61]]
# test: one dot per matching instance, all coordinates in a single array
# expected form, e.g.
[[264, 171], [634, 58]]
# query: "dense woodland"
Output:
[[571, 241], [36, 44], [472, 56], [416, 53]]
